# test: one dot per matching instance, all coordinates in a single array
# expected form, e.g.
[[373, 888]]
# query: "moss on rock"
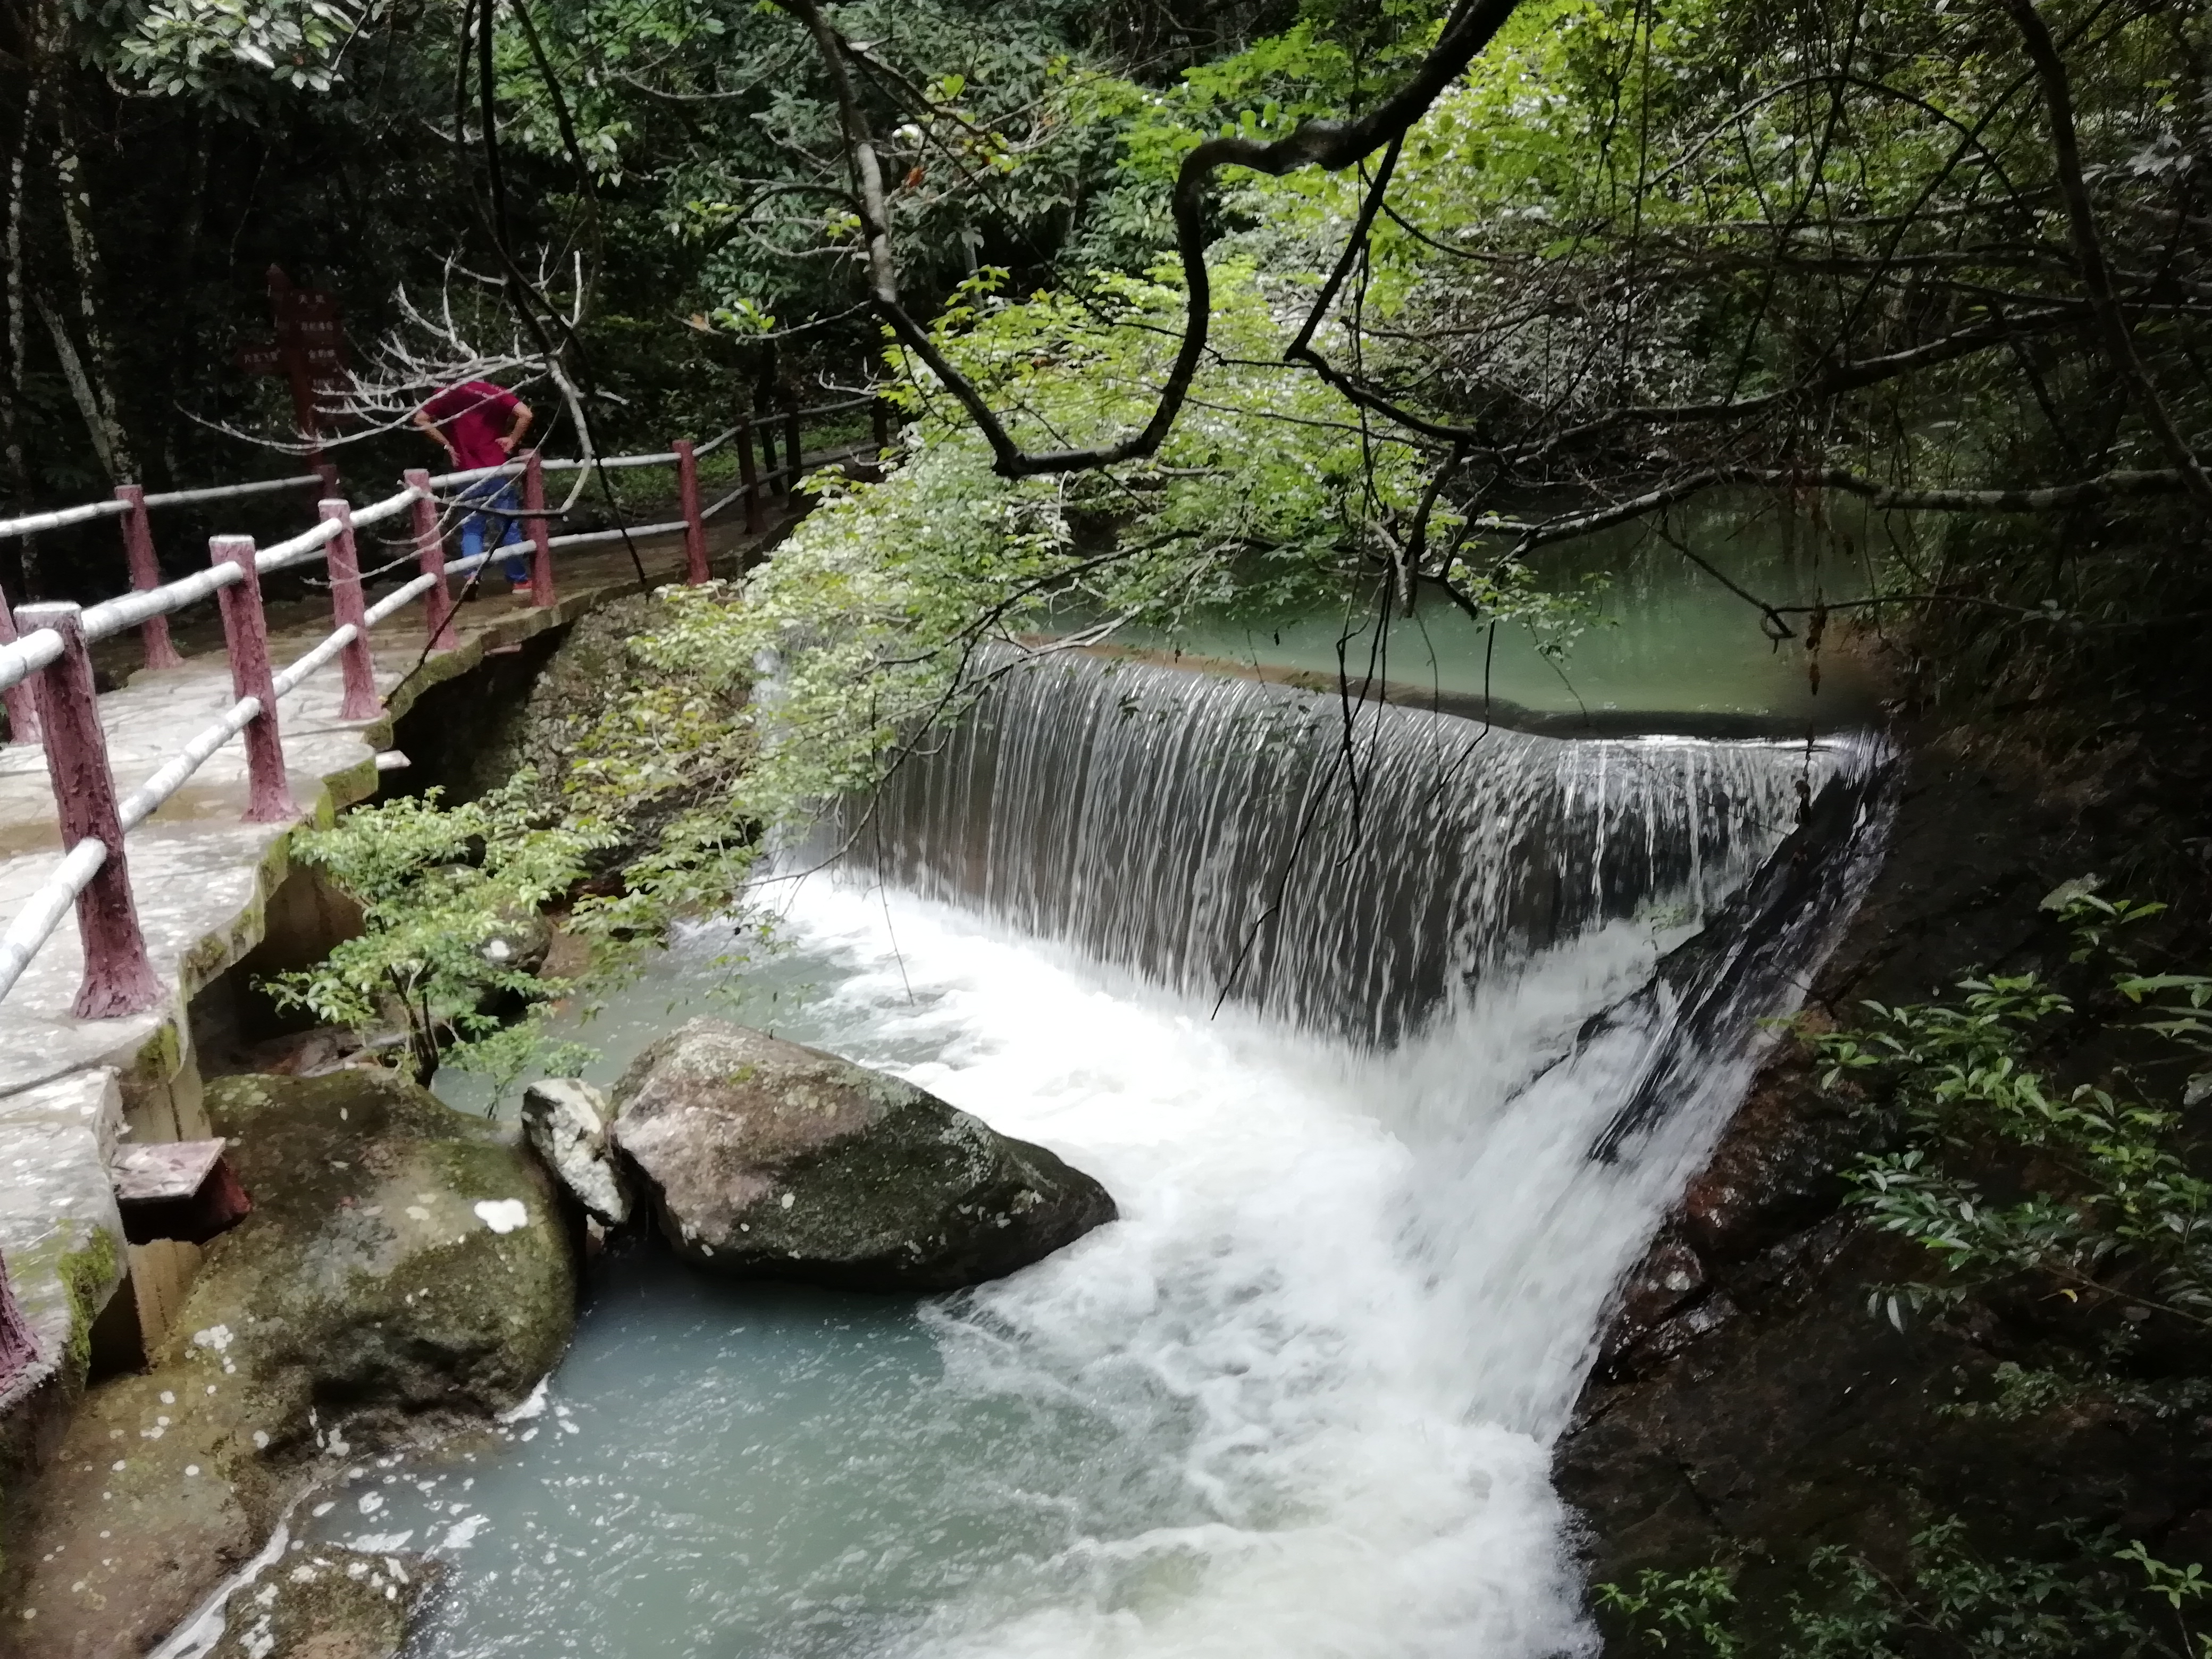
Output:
[[405, 1267], [326, 1602]]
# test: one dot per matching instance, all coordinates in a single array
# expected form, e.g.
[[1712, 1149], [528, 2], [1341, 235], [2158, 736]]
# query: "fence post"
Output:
[[766, 430], [117, 978], [430, 552], [145, 573], [341, 560], [245, 633], [749, 475], [19, 700], [541, 544], [791, 451], [879, 413], [328, 472], [695, 527]]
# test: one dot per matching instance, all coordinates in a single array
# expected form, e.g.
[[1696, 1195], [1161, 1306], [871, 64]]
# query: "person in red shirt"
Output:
[[479, 424]]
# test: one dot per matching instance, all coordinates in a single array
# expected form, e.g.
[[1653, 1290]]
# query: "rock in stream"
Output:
[[765, 1159]]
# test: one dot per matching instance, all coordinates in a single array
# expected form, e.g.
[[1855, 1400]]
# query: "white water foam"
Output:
[[1347, 1306], [1295, 1404]]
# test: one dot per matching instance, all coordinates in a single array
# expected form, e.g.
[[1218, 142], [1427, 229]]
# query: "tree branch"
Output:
[[2089, 250], [1332, 145]]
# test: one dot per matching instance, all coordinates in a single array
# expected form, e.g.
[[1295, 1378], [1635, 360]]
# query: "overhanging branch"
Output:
[[1329, 144]]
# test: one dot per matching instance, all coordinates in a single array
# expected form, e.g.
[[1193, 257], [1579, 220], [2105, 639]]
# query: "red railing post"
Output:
[[328, 472], [879, 416], [245, 635], [19, 700], [695, 527], [430, 551], [791, 451], [749, 475], [145, 573], [342, 561], [117, 978], [541, 544]]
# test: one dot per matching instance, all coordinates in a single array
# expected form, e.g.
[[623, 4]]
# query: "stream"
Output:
[[1298, 1400]]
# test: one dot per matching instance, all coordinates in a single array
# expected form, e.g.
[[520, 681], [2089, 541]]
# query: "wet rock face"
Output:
[[565, 1120], [768, 1160], [327, 1604], [405, 1267], [1748, 1407]]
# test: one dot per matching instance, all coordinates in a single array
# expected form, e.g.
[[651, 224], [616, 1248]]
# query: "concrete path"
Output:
[[69, 1088], [200, 876]]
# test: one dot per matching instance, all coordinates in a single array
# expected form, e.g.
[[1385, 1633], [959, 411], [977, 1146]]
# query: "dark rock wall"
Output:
[[1747, 1406]]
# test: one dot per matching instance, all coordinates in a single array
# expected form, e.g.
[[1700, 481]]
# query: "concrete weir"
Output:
[[210, 887]]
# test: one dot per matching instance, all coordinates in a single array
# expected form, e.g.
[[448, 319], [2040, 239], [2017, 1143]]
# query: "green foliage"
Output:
[[2079, 1600], [2111, 1212], [2083, 1596], [446, 895], [208, 46], [877, 612], [1688, 1613]]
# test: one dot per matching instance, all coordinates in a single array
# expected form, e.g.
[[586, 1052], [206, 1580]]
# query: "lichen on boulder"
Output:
[[766, 1159], [405, 1268]]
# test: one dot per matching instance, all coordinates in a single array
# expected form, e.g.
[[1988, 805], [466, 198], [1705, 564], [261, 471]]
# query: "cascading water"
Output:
[[1297, 1401], [1346, 868]]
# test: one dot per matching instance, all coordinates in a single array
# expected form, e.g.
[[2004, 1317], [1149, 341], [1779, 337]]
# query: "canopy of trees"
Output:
[[1187, 304]]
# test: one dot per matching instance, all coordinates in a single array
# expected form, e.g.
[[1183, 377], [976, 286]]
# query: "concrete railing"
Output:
[[46, 679]]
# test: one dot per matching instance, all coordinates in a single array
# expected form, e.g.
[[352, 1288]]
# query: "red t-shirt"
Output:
[[474, 415]]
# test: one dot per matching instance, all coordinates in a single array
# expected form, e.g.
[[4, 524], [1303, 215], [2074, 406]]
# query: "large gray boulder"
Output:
[[765, 1159]]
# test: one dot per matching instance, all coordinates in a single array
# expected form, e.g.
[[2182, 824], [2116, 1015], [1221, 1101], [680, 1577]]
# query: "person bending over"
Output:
[[480, 424]]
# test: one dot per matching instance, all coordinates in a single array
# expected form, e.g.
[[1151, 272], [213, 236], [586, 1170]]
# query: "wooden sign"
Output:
[[309, 347]]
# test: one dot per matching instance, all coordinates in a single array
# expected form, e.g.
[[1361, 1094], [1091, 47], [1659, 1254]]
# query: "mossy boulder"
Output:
[[766, 1159], [405, 1269], [325, 1603], [386, 1267]]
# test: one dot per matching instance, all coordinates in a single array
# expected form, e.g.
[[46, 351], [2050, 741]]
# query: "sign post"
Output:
[[309, 349]]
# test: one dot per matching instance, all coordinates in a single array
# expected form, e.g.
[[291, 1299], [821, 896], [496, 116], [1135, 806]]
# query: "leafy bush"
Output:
[[2110, 1214], [2075, 1599], [445, 894]]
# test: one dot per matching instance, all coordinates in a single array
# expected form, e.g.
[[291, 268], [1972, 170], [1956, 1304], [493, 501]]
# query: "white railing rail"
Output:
[[45, 674]]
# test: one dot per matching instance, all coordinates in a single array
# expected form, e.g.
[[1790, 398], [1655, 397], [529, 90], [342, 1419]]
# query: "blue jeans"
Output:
[[508, 533]]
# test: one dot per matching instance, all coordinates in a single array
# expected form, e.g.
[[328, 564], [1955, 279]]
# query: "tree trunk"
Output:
[[84, 256], [19, 561], [81, 388], [11, 431]]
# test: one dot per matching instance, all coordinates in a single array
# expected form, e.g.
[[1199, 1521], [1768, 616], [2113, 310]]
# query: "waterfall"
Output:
[[1353, 869], [1548, 957], [1490, 998]]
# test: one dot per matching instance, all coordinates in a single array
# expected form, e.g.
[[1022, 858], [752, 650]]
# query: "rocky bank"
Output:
[[405, 1270], [1747, 1409]]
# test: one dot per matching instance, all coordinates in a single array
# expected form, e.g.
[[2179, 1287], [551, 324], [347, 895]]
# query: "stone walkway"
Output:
[[199, 874], [203, 880]]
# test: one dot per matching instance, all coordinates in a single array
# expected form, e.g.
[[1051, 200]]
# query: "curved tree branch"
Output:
[[1332, 145], [2089, 250]]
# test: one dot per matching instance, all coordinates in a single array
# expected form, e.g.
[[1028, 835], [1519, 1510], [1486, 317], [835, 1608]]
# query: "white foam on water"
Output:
[[1295, 1404], [1347, 1306]]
